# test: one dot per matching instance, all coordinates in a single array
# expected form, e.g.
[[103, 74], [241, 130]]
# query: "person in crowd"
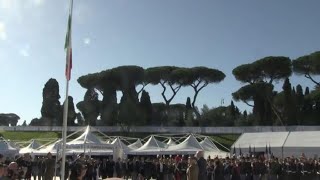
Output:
[[3, 170], [50, 165], [125, 170], [13, 172], [27, 165], [35, 167], [42, 168], [218, 170], [210, 169], [227, 168], [160, 169], [78, 171], [103, 168], [193, 169], [202, 164], [118, 168], [110, 167], [235, 172], [90, 164]]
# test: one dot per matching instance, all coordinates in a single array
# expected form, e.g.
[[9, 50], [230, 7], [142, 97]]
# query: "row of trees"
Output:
[[289, 107]]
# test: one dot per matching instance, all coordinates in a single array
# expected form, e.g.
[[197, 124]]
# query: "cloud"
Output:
[[3, 33], [37, 2], [82, 12], [25, 51], [7, 4], [86, 41]]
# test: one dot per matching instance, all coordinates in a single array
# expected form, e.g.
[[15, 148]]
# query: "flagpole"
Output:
[[66, 103], [64, 133]]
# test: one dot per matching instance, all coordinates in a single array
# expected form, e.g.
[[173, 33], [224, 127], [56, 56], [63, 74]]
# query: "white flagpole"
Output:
[[57, 157], [64, 133], [65, 111]]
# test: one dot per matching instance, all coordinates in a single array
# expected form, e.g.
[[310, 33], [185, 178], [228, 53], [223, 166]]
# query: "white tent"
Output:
[[189, 146], [171, 142], [117, 142], [259, 141], [136, 144], [307, 142], [208, 145], [210, 149], [6, 149], [30, 148], [52, 148], [151, 147], [87, 143], [87, 137]]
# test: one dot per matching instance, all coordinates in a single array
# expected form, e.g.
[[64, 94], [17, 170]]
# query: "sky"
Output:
[[109, 33]]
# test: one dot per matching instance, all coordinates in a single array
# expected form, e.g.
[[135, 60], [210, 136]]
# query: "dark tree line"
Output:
[[135, 107], [294, 105]]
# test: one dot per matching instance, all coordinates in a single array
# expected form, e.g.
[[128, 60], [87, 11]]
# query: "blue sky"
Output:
[[108, 33]]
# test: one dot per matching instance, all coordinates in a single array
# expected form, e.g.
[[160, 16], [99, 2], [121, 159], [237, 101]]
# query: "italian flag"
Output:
[[68, 47]]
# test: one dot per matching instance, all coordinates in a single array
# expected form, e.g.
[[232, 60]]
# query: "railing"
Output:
[[175, 130]]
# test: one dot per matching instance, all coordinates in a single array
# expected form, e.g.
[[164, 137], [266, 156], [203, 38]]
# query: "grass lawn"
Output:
[[22, 138]]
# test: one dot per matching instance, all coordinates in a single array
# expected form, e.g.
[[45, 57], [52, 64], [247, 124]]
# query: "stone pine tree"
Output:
[[71, 112], [108, 86], [7, 119], [128, 78], [129, 114], [198, 78], [170, 83], [309, 66], [89, 107], [166, 77], [51, 108], [146, 107], [259, 77]]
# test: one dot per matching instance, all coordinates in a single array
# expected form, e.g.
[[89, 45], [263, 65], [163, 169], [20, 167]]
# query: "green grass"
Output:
[[20, 137], [225, 139]]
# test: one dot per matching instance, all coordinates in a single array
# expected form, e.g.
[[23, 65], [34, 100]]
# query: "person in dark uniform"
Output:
[[110, 167], [202, 164], [218, 170], [235, 172], [118, 168], [227, 168], [50, 165], [103, 169], [78, 171], [210, 170]]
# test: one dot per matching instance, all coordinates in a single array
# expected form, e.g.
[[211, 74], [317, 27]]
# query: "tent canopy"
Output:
[[136, 144], [260, 141], [151, 147], [87, 137], [189, 146], [30, 148], [6, 149], [171, 142], [302, 142], [208, 145]]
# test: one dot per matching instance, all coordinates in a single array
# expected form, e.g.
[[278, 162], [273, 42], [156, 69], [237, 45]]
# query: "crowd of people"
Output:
[[177, 167]]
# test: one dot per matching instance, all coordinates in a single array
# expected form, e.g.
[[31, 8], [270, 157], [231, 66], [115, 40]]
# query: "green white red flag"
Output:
[[68, 46]]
